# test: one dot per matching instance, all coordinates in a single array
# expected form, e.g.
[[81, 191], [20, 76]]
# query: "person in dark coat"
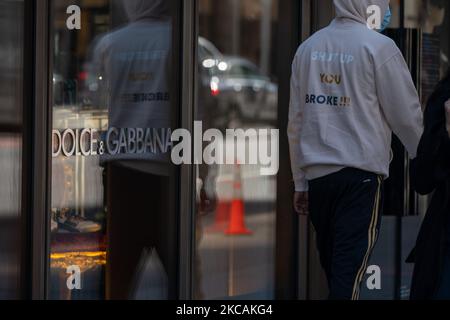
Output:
[[431, 174]]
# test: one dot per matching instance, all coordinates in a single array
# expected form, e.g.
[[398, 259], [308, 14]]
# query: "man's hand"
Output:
[[301, 203], [207, 203], [447, 116]]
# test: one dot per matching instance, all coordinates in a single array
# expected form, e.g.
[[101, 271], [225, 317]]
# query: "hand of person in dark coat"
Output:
[[301, 203]]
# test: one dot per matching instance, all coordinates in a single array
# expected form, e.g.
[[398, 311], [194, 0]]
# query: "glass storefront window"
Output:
[[237, 89], [113, 222], [432, 19], [11, 141]]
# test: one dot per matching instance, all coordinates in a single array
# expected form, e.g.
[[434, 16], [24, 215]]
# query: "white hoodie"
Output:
[[350, 89], [134, 63]]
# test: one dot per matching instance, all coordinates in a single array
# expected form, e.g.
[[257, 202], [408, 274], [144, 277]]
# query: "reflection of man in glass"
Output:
[[130, 74], [132, 65], [432, 16]]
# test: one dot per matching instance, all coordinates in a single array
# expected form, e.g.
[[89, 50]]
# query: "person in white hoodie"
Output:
[[131, 70], [350, 89]]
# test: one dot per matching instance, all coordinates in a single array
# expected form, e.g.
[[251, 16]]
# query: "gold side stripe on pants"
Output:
[[372, 235]]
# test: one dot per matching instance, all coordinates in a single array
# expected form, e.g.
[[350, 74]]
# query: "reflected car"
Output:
[[208, 59], [232, 90], [207, 50], [243, 92]]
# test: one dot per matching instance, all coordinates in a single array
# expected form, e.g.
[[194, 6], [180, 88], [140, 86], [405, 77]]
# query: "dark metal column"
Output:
[[40, 149], [187, 183], [286, 269]]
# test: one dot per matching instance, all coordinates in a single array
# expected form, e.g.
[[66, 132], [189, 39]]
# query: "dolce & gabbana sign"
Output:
[[88, 142]]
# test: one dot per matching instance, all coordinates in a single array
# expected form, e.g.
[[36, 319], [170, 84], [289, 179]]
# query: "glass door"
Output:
[[113, 213], [237, 99]]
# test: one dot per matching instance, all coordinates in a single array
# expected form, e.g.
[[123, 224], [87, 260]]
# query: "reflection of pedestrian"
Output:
[[131, 69], [431, 173], [350, 89]]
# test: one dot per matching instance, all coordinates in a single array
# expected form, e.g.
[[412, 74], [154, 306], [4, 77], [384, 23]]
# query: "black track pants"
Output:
[[345, 209]]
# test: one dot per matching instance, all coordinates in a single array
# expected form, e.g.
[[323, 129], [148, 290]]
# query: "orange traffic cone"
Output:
[[237, 223]]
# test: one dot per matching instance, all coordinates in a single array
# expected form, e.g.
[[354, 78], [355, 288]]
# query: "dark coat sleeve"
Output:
[[430, 172], [431, 167]]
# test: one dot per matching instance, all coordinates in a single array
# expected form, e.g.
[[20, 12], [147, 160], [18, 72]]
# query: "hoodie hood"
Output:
[[143, 9], [357, 9]]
